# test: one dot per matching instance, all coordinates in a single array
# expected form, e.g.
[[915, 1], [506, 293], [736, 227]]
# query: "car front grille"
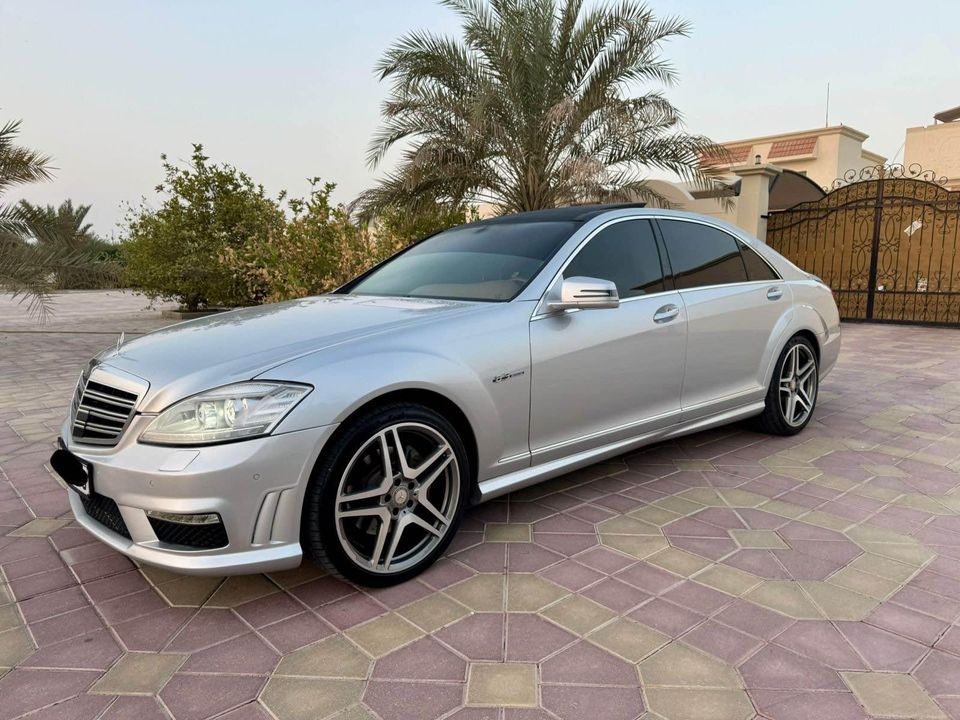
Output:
[[205, 536], [100, 412], [105, 511]]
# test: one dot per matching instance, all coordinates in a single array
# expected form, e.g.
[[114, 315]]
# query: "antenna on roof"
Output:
[[826, 121]]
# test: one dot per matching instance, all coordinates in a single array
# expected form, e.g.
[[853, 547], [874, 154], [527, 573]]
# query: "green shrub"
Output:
[[177, 251]]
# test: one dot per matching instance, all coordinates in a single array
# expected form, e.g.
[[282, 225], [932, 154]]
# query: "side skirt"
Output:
[[495, 487]]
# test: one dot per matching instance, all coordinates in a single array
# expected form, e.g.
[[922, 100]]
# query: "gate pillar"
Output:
[[753, 201]]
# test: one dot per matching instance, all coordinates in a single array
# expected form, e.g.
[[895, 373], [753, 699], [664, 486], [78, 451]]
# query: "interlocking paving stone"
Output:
[[892, 695], [139, 674], [588, 576], [502, 684]]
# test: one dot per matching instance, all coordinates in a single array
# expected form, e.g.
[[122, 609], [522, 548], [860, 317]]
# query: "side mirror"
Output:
[[582, 293]]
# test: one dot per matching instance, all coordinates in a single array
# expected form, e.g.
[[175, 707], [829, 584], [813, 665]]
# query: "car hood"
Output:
[[193, 356]]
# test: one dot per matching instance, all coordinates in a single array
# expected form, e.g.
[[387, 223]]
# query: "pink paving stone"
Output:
[[648, 578], [712, 548], [93, 651], [759, 562], [586, 663], [821, 641], [760, 520], [250, 711], [616, 595], [697, 597], [725, 519], [774, 668], [560, 501], [206, 628], [87, 551], [935, 583], [754, 620], [801, 531], [463, 540], [350, 611], [101, 567], [31, 566], [322, 590], [531, 638], [841, 553], [398, 595], [800, 566], [604, 560], [195, 697], [883, 651], [412, 701], [792, 705], [49, 581], [82, 707], [511, 714], [940, 607], [63, 627], [245, 654], [950, 642], [131, 606], [724, 642], [666, 617], [444, 573], [572, 575], [116, 586], [527, 557], [54, 603], [528, 512], [478, 636], [562, 523], [489, 557], [688, 527], [592, 513], [947, 566], [25, 690], [425, 659], [566, 544], [908, 623], [296, 632], [152, 632], [618, 503], [939, 673], [572, 702]]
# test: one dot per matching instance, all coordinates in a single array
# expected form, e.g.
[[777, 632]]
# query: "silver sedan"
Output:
[[357, 426]]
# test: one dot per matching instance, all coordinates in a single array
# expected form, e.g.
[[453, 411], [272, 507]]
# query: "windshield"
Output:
[[483, 261]]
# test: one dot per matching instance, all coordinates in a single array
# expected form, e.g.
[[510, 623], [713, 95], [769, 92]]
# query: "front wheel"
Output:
[[387, 496], [792, 394]]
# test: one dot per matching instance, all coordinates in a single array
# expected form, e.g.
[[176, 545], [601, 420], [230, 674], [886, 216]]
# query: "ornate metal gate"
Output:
[[886, 239]]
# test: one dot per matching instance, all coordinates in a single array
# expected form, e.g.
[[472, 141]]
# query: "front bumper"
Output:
[[256, 486]]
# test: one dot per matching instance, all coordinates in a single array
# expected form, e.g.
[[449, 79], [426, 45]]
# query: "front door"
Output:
[[599, 376]]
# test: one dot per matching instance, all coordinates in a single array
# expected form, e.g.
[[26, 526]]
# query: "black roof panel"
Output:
[[573, 213]]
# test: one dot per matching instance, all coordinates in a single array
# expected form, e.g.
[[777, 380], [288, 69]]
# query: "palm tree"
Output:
[[65, 226], [28, 271], [533, 108]]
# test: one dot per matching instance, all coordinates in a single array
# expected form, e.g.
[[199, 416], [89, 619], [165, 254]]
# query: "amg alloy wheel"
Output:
[[390, 500], [792, 395]]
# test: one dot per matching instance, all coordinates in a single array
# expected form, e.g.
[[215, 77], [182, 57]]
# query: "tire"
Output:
[[786, 382], [350, 499]]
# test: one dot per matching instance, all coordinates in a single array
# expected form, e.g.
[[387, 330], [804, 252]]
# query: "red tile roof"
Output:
[[796, 146]]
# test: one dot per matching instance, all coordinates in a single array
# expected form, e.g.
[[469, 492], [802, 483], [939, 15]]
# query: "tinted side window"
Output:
[[624, 253], [757, 268], [702, 255]]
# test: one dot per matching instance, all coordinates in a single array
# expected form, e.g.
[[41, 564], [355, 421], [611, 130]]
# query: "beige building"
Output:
[[937, 147], [822, 155]]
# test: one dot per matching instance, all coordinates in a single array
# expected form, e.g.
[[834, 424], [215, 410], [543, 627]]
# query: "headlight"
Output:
[[232, 412]]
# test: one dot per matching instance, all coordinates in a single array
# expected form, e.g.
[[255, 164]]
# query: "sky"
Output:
[[285, 89]]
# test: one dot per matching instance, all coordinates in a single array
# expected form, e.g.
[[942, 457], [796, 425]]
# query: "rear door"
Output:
[[731, 315], [603, 375]]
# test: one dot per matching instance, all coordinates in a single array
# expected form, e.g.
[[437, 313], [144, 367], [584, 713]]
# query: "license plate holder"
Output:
[[76, 473]]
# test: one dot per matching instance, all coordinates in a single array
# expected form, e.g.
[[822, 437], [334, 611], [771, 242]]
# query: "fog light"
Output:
[[198, 519]]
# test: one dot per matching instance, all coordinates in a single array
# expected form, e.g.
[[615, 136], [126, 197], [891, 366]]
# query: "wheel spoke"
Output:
[[426, 464], [432, 509]]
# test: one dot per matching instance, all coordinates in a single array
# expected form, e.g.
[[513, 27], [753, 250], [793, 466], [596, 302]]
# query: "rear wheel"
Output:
[[792, 394], [387, 496]]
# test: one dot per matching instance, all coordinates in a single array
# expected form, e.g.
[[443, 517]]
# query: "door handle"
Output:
[[774, 293], [666, 314]]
